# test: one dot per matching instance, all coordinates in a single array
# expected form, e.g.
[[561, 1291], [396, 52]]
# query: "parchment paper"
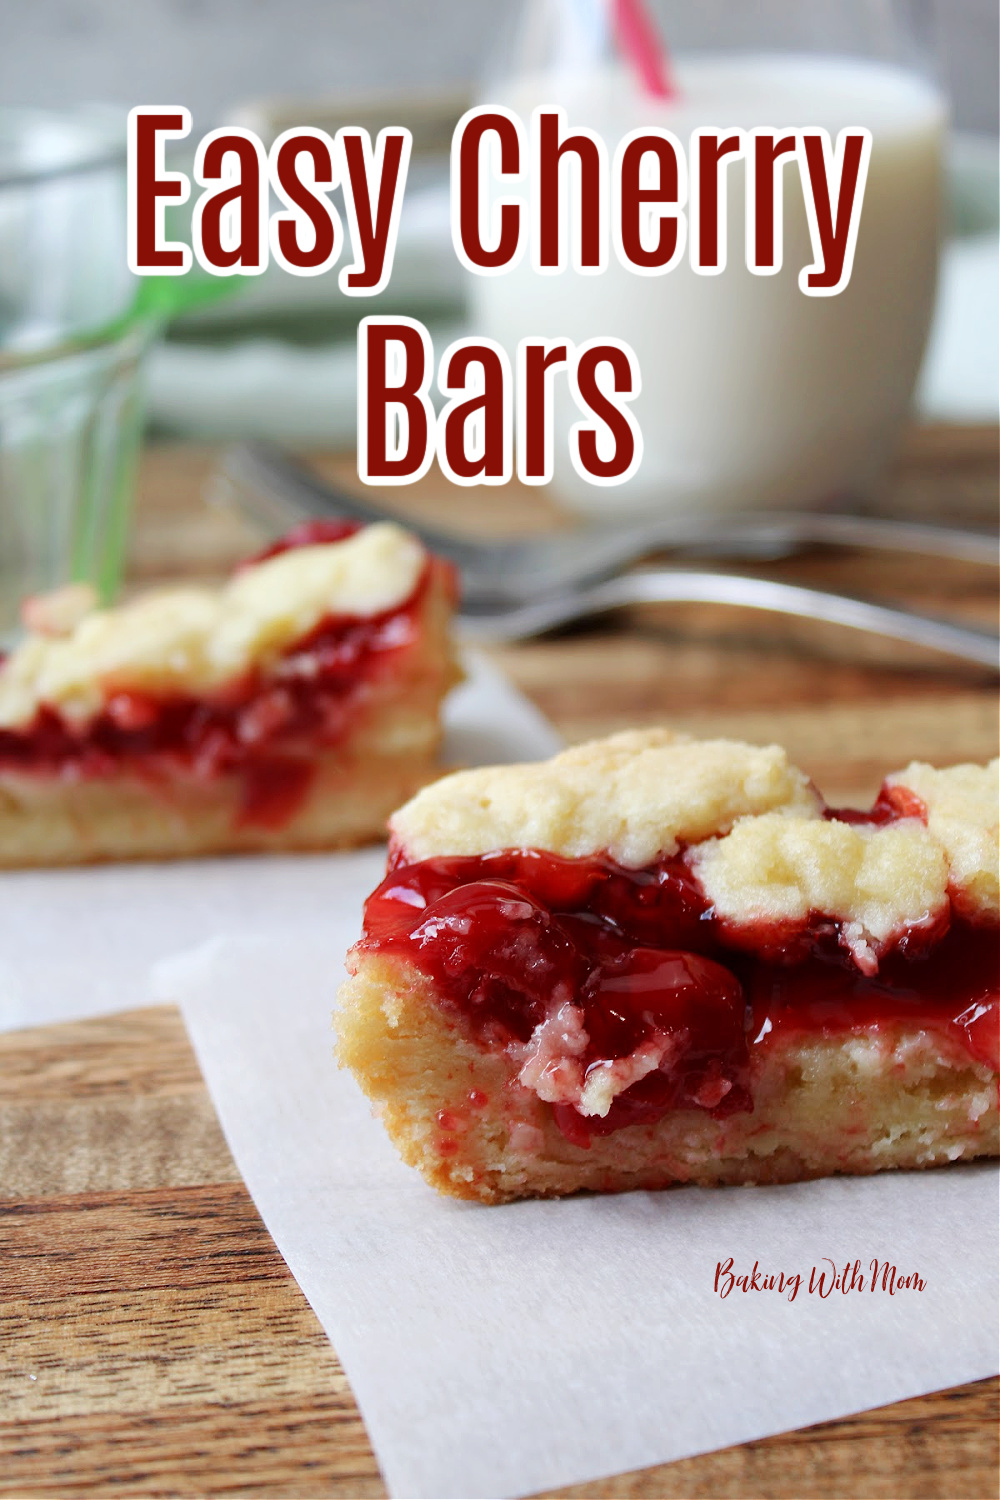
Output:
[[499, 1351]]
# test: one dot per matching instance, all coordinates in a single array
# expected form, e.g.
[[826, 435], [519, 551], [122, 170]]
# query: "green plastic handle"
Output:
[[160, 299]]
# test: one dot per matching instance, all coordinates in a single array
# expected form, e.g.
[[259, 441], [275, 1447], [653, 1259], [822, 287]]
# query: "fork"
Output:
[[683, 586], [267, 482], [512, 590]]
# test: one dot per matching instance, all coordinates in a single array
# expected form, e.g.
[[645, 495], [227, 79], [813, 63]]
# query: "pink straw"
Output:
[[637, 37]]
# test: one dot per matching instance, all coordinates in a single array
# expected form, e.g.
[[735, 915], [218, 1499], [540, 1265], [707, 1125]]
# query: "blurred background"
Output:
[[213, 54], [89, 363], [279, 358]]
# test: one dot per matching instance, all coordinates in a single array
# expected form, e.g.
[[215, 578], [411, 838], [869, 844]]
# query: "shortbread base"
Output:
[[44, 822], [898, 1097]]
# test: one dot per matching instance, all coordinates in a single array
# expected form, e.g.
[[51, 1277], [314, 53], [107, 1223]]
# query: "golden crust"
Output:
[[856, 1104]]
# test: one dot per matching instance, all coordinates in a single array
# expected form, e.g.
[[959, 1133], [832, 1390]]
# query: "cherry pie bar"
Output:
[[653, 961], [292, 708]]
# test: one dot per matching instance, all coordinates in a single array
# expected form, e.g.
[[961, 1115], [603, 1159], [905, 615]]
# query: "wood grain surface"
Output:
[[154, 1343]]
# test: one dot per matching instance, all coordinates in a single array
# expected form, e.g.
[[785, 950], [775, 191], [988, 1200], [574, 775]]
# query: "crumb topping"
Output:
[[962, 815], [876, 881], [755, 827], [637, 796], [193, 640]]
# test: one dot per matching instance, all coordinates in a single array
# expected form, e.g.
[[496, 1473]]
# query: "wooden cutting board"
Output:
[[153, 1340]]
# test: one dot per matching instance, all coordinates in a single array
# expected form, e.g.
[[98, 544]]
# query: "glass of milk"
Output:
[[753, 394]]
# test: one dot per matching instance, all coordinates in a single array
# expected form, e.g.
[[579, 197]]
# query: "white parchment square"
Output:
[[499, 1351], [504, 1350]]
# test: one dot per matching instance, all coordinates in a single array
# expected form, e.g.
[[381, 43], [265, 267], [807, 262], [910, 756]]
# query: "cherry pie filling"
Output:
[[582, 968], [263, 727]]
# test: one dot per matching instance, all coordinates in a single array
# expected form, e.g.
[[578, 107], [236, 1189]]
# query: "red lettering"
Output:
[[149, 186], [618, 420], [536, 364], [378, 180], [857, 1280], [237, 158], [820, 1285], [469, 191], [635, 200], [833, 238], [395, 418], [310, 208], [724, 1273], [475, 436], [552, 210], [709, 149], [764, 197]]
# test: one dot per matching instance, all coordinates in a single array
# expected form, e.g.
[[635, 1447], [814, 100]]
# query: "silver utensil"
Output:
[[275, 489], [680, 586], [512, 590]]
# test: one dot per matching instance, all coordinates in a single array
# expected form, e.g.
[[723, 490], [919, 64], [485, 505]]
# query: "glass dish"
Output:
[[70, 356]]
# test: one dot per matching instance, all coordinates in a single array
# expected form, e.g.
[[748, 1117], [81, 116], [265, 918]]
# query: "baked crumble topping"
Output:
[[876, 881], [192, 641], [961, 805], [636, 796], [757, 832]]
